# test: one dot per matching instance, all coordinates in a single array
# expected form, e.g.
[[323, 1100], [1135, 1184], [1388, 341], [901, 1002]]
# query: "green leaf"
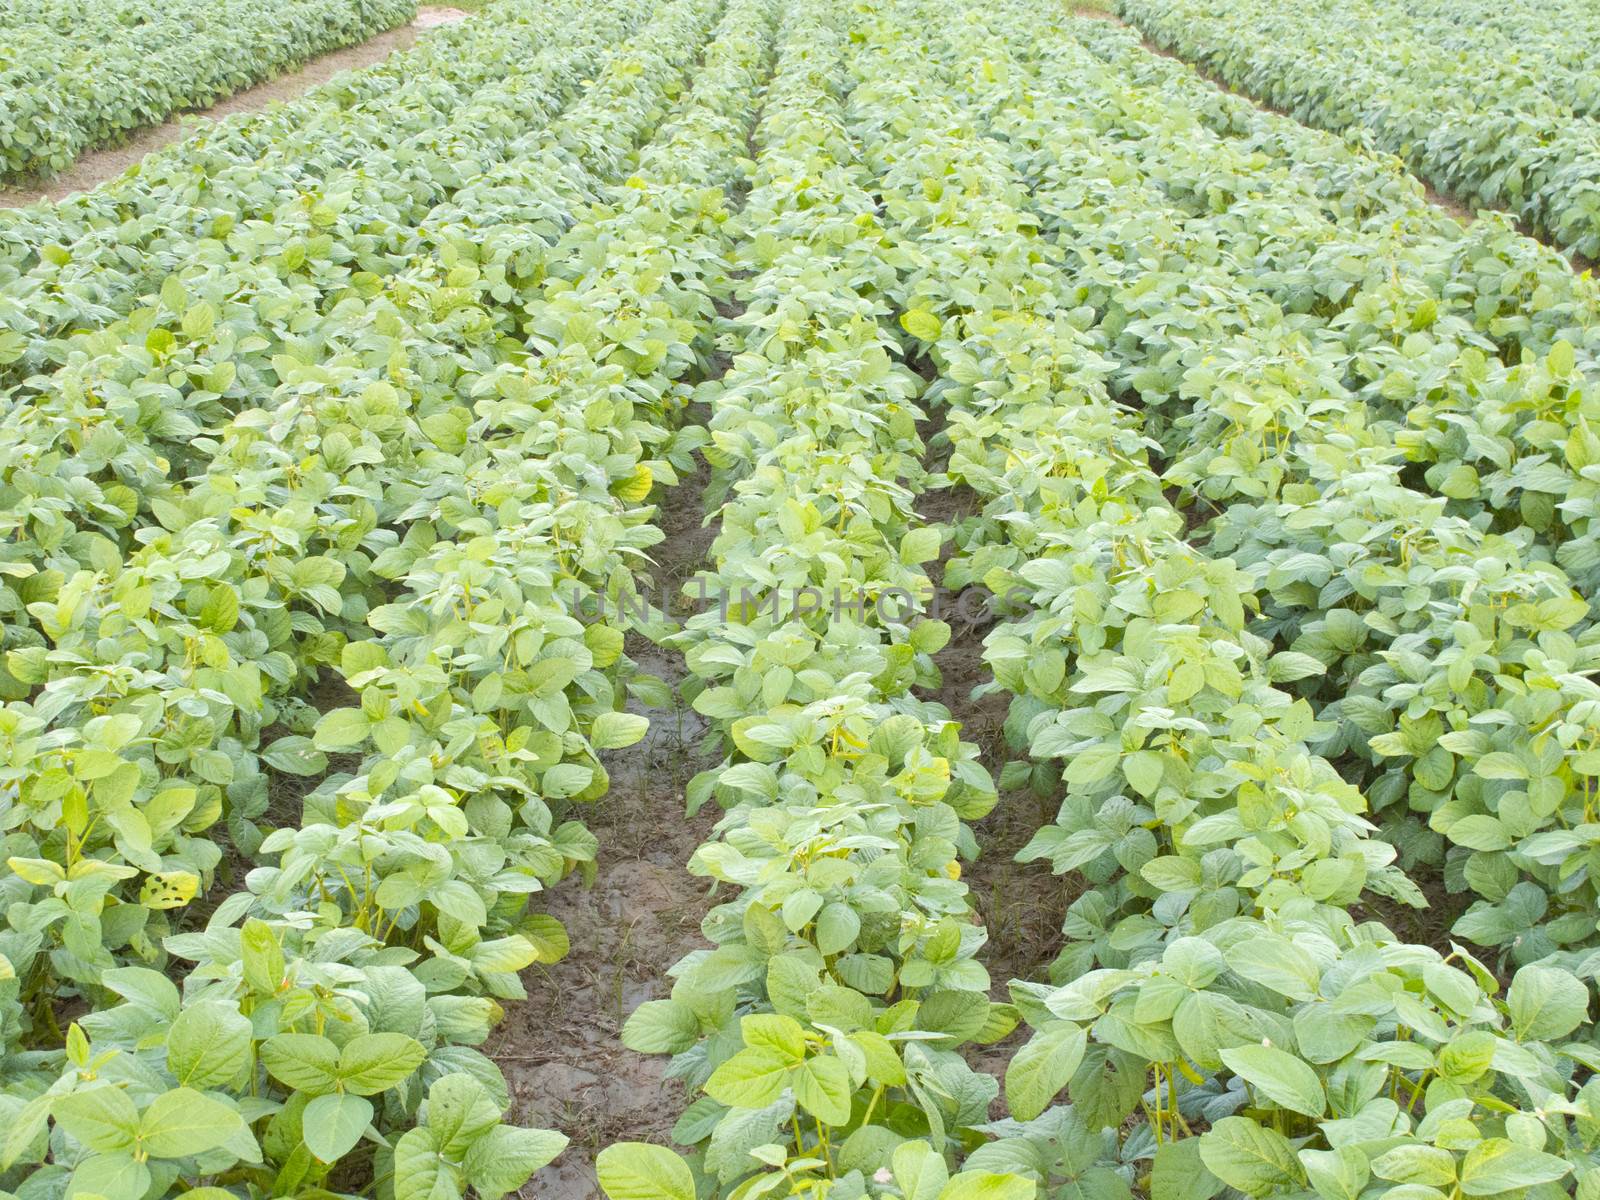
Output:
[[1500, 765], [1249, 1157], [1338, 1174], [837, 928], [199, 320], [752, 1078], [920, 545], [985, 1185], [783, 1036], [1497, 1167], [1042, 1068], [151, 990], [1546, 1003], [332, 1125], [295, 755], [208, 1044], [185, 1122], [306, 1062], [506, 1157], [921, 324], [28, 1130], [638, 1171], [109, 1177], [614, 730], [341, 729], [1178, 1173], [1207, 1021], [1092, 765], [661, 1027], [460, 1110], [419, 1172], [919, 1171], [1426, 1166], [102, 1118], [263, 957], [1276, 963], [1479, 832], [822, 1087], [1144, 770], [1279, 1076], [374, 1062]]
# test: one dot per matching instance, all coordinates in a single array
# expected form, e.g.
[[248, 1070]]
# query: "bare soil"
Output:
[[1021, 905], [94, 167], [1456, 208], [561, 1049], [430, 17]]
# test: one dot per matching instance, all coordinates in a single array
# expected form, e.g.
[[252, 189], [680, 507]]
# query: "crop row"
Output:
[[1293, 475], [483, 446], [1214, 979], [1497, 128], [320, 193], [84, 75], [276, 519], [822, 1032], [1166, 711], [1418, 607]]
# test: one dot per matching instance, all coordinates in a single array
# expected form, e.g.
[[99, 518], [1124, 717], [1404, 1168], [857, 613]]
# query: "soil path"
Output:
[[561, 1049], [94, 167]]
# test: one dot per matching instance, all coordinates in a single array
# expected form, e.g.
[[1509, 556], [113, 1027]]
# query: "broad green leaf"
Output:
[[460, 1110], [1546, 1003], [1425, 1165], [1178, 1173], [837, 928], [921, 324], [920, 1173], [1249, 1157], [184, 1122], [333, 1125], [419, 1172], [822, 1087], [782, 1036], [637, 1171], [110, 1177], [208, 1044], [614, 730], [752, 1078], [506, 1157], [985, 1185], [374, 1062], [103, 1118], [341, 729], [1497, 1167], [149, 989], [661, 1027], [1279, 1076], [1277, 963], [1041, 1068], [306, 1062], [1338, 1174]]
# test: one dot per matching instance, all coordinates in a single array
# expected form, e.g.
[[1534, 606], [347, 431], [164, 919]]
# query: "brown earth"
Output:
[[561, 1049]]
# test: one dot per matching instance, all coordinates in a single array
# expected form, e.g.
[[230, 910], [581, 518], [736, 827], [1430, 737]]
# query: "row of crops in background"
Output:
[[75, 74], [1494, 103], [315, 428]]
